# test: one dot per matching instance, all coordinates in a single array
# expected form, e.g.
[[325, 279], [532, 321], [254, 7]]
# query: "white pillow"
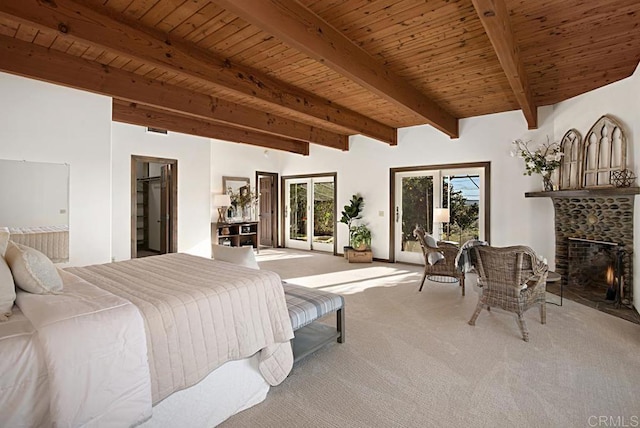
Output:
[[434, 257], [430, 240], [32, 271], [242, 256], [7, 290], [4, 240]]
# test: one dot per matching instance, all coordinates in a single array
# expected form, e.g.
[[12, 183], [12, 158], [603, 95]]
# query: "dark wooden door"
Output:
[[267, 213], [165, 209]]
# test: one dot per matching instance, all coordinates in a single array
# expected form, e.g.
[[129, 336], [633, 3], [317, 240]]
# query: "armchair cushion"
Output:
[[430, 240], [434, 257]]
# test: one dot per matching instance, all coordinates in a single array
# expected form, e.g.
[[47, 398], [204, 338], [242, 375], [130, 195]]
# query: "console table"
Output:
[[236, 234]]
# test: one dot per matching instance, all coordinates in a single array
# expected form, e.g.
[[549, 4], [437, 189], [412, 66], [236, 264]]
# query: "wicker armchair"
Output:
[[512, 278], [439, 260]]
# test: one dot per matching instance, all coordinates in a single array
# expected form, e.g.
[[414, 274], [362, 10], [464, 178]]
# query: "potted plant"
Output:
[[361, 238], [350, 213]]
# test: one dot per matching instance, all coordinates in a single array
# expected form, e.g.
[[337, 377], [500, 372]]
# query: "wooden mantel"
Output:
[[582, 193]]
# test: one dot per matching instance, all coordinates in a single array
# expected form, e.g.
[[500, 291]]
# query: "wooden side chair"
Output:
[[511, 278], [439, 258]]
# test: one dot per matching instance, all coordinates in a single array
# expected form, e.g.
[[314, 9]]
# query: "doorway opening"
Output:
[[154, 208], [451, 202], [309, 214], [267, 188]]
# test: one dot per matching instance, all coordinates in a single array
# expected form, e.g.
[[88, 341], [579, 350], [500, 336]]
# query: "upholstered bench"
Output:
[[307, 305]]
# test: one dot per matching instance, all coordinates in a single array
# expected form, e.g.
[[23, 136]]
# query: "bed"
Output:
[[52, 241], [161, 341]]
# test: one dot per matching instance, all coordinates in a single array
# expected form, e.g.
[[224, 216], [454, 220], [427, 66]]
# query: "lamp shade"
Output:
[[441, 215], [221, 200]]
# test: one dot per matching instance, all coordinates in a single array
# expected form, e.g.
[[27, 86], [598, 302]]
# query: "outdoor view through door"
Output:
[[449, 203], [310, 212]]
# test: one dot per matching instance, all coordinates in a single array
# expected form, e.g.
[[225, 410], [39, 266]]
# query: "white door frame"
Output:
[[309, 243], [413, 256]]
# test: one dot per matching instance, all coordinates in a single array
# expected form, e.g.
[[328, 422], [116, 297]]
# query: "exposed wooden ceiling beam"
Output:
[[29, 60], [305, 31], [136, 114], [495, 19], [80, 23]]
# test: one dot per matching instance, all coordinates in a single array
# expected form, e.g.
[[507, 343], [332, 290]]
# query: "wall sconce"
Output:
[[222, 202]]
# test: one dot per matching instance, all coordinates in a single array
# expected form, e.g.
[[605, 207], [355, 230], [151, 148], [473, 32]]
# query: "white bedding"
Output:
[[94, 348], [24, 387], [231, 388], [81, 358], [200, 313]]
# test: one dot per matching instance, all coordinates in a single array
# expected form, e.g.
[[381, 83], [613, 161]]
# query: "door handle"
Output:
[[397, 214]]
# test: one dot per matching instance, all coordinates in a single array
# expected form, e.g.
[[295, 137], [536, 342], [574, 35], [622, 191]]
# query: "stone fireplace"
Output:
[[597, 224]]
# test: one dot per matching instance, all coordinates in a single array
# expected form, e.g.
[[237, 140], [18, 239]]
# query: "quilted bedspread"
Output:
[[200, 313]]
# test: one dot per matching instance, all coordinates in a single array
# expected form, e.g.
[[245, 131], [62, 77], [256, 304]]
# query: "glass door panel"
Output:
[[323, 215], [463, 194], [297, 224], [414, 207]]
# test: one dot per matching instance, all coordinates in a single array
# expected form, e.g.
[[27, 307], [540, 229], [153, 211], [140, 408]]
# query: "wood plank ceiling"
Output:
[[286, 73]]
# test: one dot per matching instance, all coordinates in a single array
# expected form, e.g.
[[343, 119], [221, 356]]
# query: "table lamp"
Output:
[[441, 215], [222, 202]]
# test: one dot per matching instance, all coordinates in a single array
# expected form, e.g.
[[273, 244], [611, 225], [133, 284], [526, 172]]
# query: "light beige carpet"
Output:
[[411, 360]]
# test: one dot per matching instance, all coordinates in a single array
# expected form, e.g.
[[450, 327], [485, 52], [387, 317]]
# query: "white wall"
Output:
[[194, 170], [47, 123]]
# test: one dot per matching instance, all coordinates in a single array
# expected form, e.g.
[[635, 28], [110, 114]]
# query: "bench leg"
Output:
[[340, 324]]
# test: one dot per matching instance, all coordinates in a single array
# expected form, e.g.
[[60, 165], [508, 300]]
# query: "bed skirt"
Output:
[[231, 388]]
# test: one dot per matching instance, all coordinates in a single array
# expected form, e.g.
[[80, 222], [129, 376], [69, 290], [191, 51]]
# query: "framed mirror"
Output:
[[234, 184], [36, 206]]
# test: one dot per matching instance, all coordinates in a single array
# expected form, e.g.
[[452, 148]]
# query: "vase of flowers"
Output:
[[543, 160], [244, 201]]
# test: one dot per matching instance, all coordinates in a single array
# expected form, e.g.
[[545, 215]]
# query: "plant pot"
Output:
[[346, 250], [362, 247]]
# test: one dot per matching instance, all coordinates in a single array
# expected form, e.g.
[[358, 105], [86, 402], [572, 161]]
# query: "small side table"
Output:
[[555, 277]]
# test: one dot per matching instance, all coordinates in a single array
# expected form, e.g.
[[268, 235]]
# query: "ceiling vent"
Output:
[[157, 130]]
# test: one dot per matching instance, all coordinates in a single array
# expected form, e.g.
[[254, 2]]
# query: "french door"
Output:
[[310, 213], [449, 203], [414, 204]]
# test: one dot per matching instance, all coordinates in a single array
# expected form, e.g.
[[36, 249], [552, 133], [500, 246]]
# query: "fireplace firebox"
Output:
[[596, 272]]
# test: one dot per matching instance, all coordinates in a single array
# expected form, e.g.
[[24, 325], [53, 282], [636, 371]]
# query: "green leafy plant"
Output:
[[361, 237], [352, 212]]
